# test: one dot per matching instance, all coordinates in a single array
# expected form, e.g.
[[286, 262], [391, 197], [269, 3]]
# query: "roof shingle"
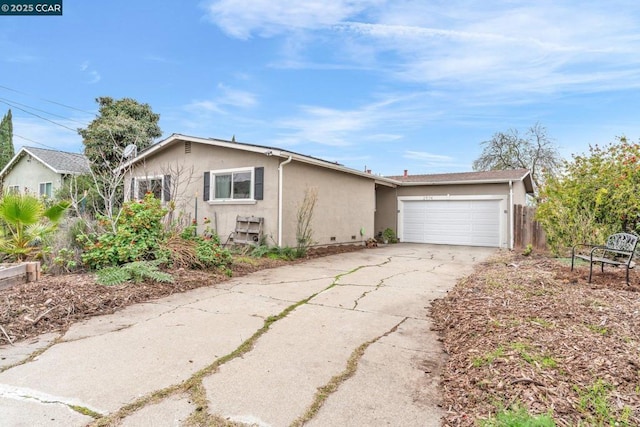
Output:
[[61, 161]]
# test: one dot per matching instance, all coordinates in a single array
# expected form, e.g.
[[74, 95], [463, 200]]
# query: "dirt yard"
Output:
[[519, 331], [528, 331]]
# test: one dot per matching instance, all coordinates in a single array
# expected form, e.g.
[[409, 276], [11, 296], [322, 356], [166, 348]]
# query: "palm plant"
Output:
[[26, 223]]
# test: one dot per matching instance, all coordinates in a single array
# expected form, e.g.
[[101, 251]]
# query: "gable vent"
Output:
[[187, 147]]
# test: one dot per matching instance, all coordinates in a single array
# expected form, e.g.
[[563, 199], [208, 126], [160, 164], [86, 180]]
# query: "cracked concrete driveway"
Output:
[[336, 341]]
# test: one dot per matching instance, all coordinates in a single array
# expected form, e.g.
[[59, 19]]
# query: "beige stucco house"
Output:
[[41, 171], [236, 187]]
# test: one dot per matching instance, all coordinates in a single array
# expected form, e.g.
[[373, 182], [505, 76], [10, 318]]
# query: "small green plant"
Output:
[[528, 250], [598, 329], [389, 236], [66, 260], [137, 271], [542, 322], [518, 416], [212, 255], [259, 251], [207, 249], [488, 358], [529, 356], [594, 404]]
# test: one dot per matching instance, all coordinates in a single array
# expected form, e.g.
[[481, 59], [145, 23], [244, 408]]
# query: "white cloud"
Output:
[[379, 122], [94, 76], [494, 48], [225, 97], [243, 18], [21, 58], [505, 47], [432, 163]]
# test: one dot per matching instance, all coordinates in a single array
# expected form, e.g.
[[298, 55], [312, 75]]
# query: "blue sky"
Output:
[[383, 84]]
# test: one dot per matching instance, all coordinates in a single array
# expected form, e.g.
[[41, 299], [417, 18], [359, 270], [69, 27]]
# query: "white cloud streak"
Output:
[[225, 97]]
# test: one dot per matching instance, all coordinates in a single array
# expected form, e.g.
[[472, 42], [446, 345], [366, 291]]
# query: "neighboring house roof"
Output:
[[58, 161], [482, 177], [263, 149]]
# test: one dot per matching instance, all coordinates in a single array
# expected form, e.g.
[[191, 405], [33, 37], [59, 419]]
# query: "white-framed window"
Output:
[[13, 189], [46, 189], [159, 186], [235, 184], [238, 185]]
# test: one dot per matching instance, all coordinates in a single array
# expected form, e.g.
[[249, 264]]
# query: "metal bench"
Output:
[[618, 251]]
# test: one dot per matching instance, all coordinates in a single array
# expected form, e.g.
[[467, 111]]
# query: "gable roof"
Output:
[[263, 149], [58, 161], [481, 177]]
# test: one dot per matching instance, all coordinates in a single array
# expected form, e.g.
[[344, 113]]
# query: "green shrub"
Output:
[[389, 236], [212, 255], [139, 236]]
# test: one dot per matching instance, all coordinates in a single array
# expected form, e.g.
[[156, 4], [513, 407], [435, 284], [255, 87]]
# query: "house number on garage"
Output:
[[428, 198]]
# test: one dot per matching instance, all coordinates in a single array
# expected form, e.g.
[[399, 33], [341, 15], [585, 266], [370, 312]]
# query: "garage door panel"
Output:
[[454, 222]]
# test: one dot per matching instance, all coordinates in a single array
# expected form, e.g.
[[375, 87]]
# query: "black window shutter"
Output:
[[166, 183], [258, 189], [207, 186], [132, 190]]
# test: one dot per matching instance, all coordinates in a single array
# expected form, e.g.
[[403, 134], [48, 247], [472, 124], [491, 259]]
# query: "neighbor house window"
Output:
[[45, 189], [159, 186], [244, 184], [13, 189]]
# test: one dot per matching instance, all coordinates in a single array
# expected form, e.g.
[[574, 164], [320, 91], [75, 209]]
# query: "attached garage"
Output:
[[468, 209], [458, 221]]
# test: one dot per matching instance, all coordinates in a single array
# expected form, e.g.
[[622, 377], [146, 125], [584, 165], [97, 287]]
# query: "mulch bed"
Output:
[[57, 301], [528, 331]]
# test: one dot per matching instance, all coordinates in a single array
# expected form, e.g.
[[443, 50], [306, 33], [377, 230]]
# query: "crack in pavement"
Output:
[[378, 286], [324, 392], [193, 384], [27, 394]]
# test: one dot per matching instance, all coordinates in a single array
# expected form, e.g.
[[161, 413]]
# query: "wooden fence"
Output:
[[526, 230]]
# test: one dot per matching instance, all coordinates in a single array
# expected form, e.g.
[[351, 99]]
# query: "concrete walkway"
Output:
[[255, 350]]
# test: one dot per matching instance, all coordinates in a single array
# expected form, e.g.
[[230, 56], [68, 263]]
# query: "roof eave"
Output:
[[528, 188], [254, 149]]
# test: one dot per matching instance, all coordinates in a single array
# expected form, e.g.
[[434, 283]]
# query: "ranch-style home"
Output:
[[41, 171], [248, 192]]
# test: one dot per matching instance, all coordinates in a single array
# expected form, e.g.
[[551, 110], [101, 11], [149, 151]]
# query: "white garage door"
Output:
[[451, 222]]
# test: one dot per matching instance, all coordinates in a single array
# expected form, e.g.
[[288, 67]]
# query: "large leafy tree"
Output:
[[533, 150], [596, 195], [7, 150], [120, 123]]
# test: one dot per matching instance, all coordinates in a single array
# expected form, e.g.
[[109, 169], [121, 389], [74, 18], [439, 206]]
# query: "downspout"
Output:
[[510, 210], [280, 179]]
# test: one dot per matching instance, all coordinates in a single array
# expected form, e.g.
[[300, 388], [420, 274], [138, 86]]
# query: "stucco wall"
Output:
[[454, 190], [345, 204], [28, 173], [386, 209], [187, 171]]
